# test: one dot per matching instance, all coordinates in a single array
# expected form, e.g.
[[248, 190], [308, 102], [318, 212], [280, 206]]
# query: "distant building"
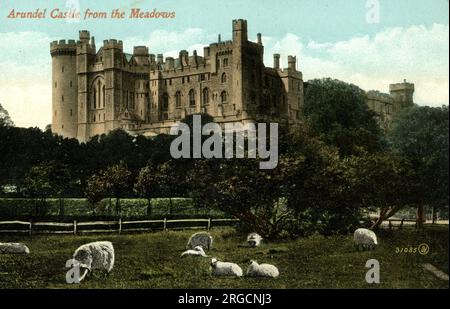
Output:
[[96, 91]]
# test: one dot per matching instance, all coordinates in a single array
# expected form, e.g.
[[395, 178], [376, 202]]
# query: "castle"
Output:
[[95, 92]]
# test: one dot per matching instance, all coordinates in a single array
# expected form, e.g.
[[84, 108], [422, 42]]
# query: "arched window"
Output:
[[178, 99], [95, 97], [224, 78], [165, 102], [205, 96], [223, 97], [103, 95], [192, 97]]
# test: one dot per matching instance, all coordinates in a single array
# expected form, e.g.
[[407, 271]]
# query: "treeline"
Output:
[[332, 171]]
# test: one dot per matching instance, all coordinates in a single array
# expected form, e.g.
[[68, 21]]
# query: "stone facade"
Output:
[[386, 105], [96, 91]]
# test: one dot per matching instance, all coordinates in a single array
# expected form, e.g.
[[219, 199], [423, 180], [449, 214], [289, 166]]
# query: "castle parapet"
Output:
[[110, 44], [63, 47]]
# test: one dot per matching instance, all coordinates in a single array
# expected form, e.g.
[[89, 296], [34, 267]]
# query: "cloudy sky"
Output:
[[344, 39]]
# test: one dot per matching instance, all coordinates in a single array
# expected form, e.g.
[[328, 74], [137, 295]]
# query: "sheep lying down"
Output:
[[197, 251], [254, 240], [365, 238], [225, 269], [262, 270], [201, 239], [95, 255], [13, 248]]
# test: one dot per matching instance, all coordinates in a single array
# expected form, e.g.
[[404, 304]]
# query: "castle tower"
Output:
[[85, 57], [402, 93], [64, 88], [240, 39]]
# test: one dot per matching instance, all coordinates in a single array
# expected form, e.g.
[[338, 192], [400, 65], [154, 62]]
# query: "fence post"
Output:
[[120, 225], [165, 225], [209, 224], [30, 227], [74, 227]]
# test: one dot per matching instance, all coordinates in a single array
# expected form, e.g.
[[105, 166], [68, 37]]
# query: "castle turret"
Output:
[[240, 32], [292, 63], [276, 61], [402, 93], [64, 88]]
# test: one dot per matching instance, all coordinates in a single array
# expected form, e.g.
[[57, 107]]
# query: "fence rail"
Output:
[[108, 226]]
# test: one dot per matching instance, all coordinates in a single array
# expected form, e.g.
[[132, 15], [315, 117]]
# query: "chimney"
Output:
[[292, 63], [184, 58], [276, 61], [170, 63], [219, 39], [160, 59], [259, 39]]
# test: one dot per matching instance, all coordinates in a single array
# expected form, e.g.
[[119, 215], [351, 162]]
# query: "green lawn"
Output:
[[153, 261]]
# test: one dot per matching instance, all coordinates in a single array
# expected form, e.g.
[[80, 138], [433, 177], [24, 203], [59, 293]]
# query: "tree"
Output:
[[421, 134], [147, 186], [5, 119], [338, 113]]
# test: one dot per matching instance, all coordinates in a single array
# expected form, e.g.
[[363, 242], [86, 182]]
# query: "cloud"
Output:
[[417, 53]]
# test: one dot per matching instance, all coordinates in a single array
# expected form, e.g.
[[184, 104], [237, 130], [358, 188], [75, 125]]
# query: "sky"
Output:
[[370, 43]]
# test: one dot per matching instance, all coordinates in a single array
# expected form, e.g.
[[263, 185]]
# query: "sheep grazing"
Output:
[[225, 269], [201, 239], [263, 270], [365, 238], [197, 251], [254, 240], [95, 255], [13, 248]]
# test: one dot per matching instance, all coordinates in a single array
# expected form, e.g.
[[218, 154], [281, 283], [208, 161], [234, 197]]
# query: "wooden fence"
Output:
[[119, 226]]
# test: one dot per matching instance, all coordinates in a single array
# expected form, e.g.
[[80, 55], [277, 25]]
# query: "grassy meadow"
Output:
[[153, 261]]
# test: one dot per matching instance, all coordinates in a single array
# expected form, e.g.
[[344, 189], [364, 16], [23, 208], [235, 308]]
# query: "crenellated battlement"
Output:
[[63, 47], [140, 51], [112, 43]]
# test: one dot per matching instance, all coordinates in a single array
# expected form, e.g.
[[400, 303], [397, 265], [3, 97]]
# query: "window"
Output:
[[165, 102], [62, 98], [223, 97], [192, 97], [103, 96], [94, 117], [225, 62], [205, 96], [218, 63], [71, 113], [178, 99], [62, 69], [56, 84], [202, 77], [224, 78], [182, 80], [70, 84], [188, 79]]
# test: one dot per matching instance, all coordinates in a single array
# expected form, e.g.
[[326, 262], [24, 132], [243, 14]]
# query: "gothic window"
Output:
[[103, 96], [225, 62], [205, 96], [94, 117], [224, 78], [165, 102], [178, 99], [192, 97], [223, 97]]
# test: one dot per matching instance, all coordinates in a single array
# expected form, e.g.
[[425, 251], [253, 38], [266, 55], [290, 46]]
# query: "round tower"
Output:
[[402, 94], [64, 88]]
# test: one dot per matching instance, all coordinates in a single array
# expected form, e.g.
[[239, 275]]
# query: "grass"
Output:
[[153, 261]]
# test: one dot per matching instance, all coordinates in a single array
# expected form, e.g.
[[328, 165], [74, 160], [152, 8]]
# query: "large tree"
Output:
[[421, 134], [338, 113], [5, 119]]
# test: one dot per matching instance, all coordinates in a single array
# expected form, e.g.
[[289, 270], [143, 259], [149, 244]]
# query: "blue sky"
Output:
[[330, 38]]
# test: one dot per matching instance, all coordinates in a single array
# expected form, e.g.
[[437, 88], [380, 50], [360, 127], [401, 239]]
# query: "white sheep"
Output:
[[225, 269], [254, 240], [197, 251], [365, 238], [201, 239], [263, 270], [95, 255], [13, 248]]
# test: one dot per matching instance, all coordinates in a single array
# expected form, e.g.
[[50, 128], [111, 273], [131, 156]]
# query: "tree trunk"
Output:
[[61, 206], [149, 207], [420, 216]]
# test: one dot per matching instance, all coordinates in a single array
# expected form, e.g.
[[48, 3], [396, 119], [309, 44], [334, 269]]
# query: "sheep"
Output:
[[95, 255], [197, 251], [365, 238], [225, 269], [254, 240], [14, 248], [201, 239], [262, 270]]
